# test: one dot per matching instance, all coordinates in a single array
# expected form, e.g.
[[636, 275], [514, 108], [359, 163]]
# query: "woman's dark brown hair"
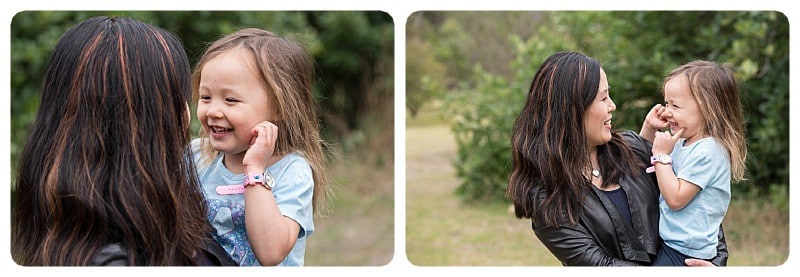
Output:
[[106, 160], [548, 144]]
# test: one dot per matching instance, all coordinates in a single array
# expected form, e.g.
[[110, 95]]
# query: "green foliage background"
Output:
[[353, 51], [636, 49]]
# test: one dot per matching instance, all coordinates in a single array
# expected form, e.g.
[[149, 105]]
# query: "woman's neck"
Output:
[[593, 158]]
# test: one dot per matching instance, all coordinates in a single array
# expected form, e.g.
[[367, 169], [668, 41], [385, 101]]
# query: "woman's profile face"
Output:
[[597, 121]]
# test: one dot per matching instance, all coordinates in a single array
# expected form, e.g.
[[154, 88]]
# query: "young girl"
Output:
[[694, 165], [260, 152]]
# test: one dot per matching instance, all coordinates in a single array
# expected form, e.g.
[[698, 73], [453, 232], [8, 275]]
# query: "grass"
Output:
[[357, 229], [758, 233], [443, 231], [440, 230]]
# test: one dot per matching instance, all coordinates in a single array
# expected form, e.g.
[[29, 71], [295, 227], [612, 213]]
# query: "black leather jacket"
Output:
[[114, 254], [602, 236]]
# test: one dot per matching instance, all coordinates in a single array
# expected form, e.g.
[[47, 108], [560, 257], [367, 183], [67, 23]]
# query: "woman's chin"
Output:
[[607, 136]]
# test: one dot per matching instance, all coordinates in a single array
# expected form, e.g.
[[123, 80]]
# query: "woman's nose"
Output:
[[612, 107]]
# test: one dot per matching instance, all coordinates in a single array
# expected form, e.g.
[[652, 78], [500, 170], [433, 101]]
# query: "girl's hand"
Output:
[[664, 142], [262, 145], [655, 118]]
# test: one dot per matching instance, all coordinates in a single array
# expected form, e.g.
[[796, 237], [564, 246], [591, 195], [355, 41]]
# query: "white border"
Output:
[[399, 10]]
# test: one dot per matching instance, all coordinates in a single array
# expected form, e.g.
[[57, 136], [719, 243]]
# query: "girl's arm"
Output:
[[653, 122], [271, 235], [676, 192]]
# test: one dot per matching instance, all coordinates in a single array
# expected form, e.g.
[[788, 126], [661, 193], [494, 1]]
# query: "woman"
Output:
[[104, 178], [583, 185]]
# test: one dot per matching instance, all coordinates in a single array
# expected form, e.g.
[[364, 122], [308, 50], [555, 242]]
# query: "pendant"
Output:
[[595, 173]]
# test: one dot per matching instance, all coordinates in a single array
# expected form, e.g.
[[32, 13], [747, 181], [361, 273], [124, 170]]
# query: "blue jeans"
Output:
[[670, 257]]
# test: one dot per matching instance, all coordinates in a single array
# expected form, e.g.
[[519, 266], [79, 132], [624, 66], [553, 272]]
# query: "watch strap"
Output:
[[653, 159], [264, 179], [230, 189], [251, 178]]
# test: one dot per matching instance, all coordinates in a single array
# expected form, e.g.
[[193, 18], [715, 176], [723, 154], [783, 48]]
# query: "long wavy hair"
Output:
[[716, 92], [286, 70], [548, 143], [106, 160]]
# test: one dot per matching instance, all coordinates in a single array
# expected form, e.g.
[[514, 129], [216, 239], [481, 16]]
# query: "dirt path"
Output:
[[430, 151]]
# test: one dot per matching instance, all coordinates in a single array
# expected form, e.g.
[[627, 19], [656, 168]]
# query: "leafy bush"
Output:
[[481, 123]]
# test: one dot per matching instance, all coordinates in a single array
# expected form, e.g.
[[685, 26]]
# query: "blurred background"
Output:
[[354, 56], [467, 77]]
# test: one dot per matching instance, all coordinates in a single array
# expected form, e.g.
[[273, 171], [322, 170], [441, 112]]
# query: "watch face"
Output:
[[268, 180]]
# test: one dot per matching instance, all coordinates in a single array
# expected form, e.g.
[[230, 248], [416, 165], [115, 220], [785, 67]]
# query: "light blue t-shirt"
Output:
[[693, 229], [293, 190]]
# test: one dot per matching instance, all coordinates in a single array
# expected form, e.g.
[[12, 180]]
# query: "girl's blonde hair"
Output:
[[286, 70], [717, 94]]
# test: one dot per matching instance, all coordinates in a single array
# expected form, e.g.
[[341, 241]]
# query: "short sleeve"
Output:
[[699, 166], [294, 191]]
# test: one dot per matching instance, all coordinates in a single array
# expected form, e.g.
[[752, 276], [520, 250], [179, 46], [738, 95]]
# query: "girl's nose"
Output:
[[214, 111], [667, 112]]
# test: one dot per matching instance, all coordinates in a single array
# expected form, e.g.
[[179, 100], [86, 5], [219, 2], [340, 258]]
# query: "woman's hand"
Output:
[[697, 262], [262, 145]]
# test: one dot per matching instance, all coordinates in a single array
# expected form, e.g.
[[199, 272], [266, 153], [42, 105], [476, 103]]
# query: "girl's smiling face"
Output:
[[233, 99], [682, 110]]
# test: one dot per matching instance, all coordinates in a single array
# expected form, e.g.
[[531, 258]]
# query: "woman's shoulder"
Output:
[[635, 142], [630, 136], [110, 255]]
